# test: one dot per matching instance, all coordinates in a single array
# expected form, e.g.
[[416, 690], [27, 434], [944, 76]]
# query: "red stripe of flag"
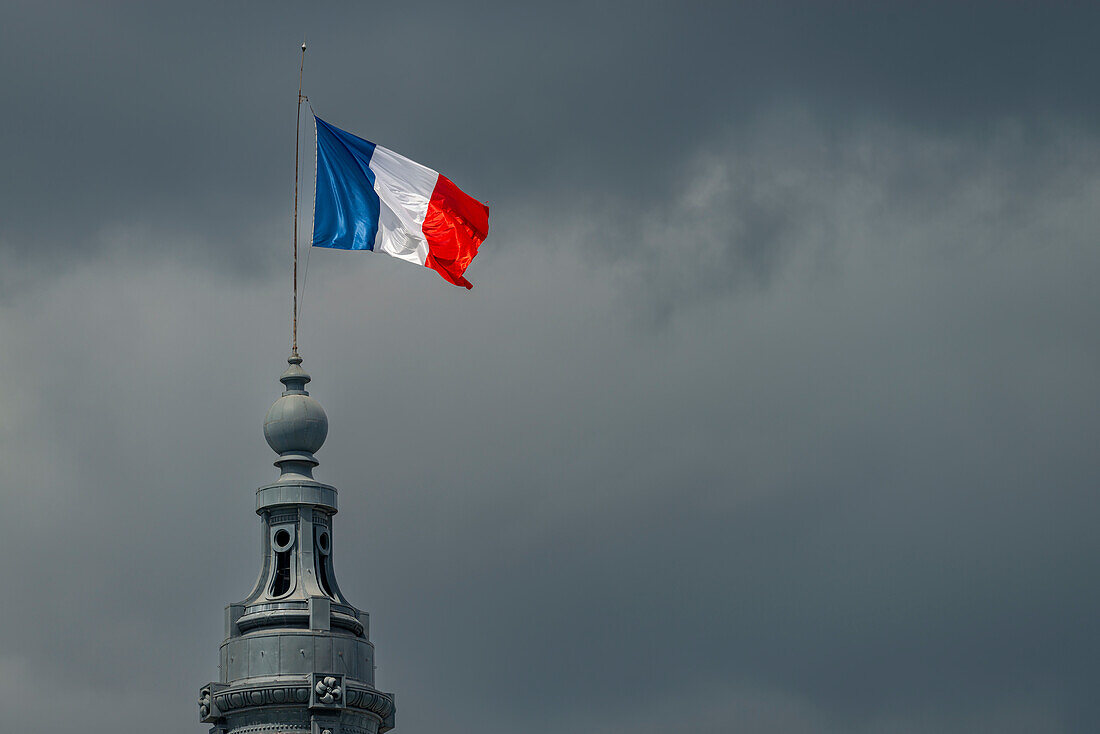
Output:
[[456, 224]]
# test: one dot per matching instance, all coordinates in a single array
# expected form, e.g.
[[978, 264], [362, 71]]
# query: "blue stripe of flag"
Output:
[[345, 213]]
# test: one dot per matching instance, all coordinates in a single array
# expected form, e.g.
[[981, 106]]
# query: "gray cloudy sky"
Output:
[[774, 407]]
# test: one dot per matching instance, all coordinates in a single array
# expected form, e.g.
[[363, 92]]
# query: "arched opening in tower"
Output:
[[280, 582]]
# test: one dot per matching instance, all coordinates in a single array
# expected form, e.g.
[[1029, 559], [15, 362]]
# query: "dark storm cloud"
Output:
[[846, 484], [178, 117]]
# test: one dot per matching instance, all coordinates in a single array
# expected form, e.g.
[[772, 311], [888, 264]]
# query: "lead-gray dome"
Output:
[[295, 423]]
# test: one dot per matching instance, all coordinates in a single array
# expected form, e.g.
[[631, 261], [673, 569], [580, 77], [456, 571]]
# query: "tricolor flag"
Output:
[[370, 198]]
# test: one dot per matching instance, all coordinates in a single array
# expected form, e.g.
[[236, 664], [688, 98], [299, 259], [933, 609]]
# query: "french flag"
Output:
[[370, 198]]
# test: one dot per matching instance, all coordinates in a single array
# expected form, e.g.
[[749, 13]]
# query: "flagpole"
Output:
[[297, 137]]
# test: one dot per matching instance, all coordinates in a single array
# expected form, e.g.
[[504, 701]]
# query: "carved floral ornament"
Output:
[[204, 703], [328, 690]]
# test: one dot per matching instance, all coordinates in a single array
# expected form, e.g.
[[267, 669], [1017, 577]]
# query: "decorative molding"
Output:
[[281, 728], [270, 606], [368, 699], [276, 518], [232, 699], [263, 703], [291, 694]]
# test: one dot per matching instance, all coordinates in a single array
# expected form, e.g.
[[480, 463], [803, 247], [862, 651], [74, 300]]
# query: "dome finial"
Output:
[[296, 425], [295, 378]]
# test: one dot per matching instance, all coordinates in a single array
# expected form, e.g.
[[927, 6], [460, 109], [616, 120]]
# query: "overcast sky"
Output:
[[774, 407]]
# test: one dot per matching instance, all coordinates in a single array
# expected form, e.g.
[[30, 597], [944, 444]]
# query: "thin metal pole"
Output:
[[297, 136]]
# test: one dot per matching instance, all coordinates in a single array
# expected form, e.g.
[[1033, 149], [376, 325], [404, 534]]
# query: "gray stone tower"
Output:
[[297, 658]]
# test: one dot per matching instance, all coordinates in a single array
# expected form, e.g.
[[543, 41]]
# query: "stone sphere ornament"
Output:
[[295, 422]]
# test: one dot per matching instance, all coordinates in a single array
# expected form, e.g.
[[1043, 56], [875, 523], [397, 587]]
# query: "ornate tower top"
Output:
[[297, 657]]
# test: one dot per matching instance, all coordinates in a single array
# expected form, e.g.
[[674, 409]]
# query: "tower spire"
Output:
[[297, 656]]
